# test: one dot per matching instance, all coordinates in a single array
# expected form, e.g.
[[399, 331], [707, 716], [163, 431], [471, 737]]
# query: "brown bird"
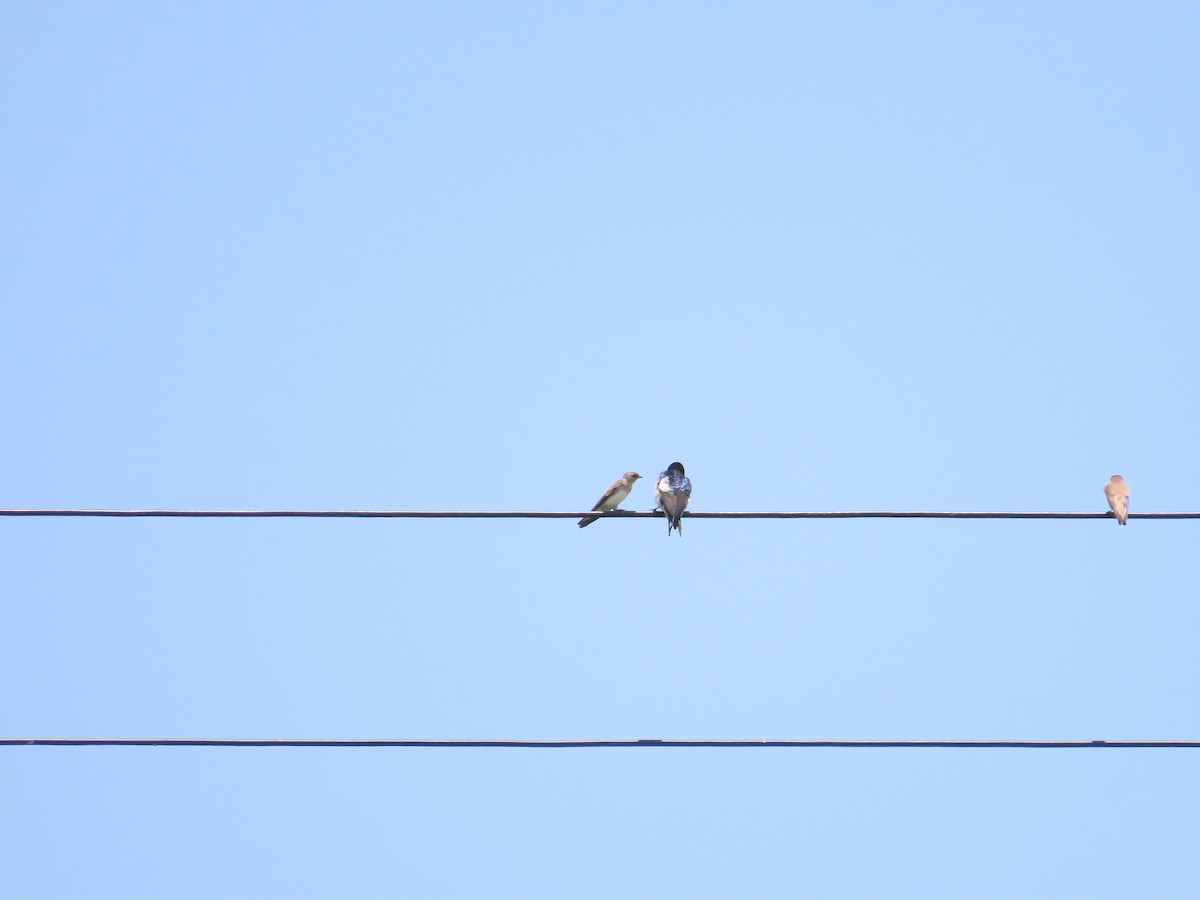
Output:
[[1117, 492], [612, 498]]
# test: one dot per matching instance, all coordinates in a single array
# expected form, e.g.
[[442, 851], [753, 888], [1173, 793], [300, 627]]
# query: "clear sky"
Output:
[[490, 256]]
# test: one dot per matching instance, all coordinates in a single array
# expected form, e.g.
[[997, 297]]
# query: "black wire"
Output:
[[533, 514], [581, 744]]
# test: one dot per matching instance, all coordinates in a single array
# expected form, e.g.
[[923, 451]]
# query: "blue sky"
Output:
[[490, 256]]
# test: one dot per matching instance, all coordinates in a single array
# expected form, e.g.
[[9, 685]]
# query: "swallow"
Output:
[[612, 498], [1117, 492], [672, 493]]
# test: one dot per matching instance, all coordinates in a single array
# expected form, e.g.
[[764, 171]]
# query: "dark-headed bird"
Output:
[[1117, 492], [612, 498], [672, 493]]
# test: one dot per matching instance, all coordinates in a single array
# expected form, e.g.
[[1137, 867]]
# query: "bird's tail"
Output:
[[676, 523], [585, 522]]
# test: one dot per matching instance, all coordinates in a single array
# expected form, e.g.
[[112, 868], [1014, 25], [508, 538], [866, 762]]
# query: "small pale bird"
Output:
[[1117, 492], [612, 498], [672, 493]]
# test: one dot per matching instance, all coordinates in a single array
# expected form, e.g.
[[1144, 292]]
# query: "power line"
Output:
[[584, 744], [538, 514]]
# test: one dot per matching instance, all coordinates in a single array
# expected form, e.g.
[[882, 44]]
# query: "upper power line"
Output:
[[586, 743], [539, 514]]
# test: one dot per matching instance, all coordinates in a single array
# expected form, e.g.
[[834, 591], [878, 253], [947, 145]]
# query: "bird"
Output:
[[1117, 492], [617, 491], [672, 493]]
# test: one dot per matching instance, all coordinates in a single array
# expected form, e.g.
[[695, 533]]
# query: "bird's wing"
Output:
[[612, 489], [675, 500], [681, 492]]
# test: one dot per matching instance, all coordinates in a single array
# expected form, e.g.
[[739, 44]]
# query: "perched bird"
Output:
[[1117, 492], [672, 493], [612, 498]]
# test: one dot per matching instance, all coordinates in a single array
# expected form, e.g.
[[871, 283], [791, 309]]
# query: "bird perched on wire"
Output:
[[671, 494], [612, 498], [1117, 492]]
